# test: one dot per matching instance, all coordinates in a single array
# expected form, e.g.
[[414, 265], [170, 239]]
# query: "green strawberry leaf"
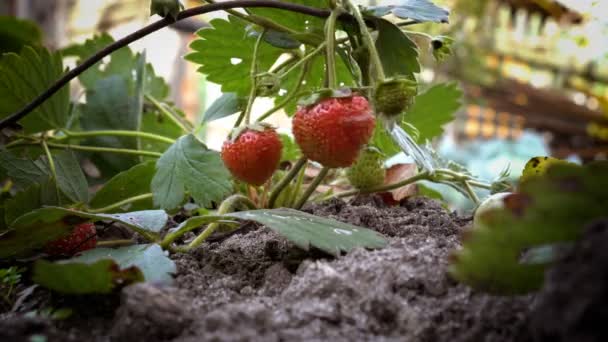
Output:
[[16, 33], [133, 182], [290, 151], [548, 209], [281, 40], [398, 54], [156, 123], [225, 105], [101, 270], [109, 96], [294, 20], [121, 62], [225, 52], [188, 165], [419, 10], [433, 109], [70, 178], [34, 229], [105, 100], [306, 230], [314, 81], [100, 276], [26, 75]]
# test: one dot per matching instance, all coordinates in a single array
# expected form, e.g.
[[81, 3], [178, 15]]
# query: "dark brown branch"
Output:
[[72, 74]]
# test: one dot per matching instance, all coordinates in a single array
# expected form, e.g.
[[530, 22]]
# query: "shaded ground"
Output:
[[255, 286]]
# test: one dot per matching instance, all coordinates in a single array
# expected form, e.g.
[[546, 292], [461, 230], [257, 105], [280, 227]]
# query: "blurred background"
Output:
[[534, 72]]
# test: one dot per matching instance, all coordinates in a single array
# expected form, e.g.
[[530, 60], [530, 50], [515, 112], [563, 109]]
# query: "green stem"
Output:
[[421, 176], [290, 96], [115, 243], [49, 156], [168, 114], [407, 23], [95, 149], [296, 190], [253, 72], [311, 188], [121, 203], [52, 168], [421, 34], [106, 150], [227, 206], [304, 59], [274, 194], [471, 192], [171, 237], [368, 41], [117, 133], [330, 49], [480, 185]]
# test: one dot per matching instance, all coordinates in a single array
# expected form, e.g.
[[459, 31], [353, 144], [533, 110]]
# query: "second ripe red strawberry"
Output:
[[83, 237], [333, 131], [253, 154]]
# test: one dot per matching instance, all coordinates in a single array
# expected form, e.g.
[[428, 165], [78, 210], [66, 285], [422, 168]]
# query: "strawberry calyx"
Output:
[[268, 84], [258, 127], [325, 93], [394, 96]]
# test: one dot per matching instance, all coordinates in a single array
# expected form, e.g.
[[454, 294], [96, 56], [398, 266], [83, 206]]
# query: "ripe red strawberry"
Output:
[[82, 238], [333, 131], [253, 154]]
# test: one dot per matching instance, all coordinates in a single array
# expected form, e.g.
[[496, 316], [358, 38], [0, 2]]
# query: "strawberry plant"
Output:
[[346, 73]]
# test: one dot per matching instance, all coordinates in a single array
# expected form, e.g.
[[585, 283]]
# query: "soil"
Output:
[[256, 286]]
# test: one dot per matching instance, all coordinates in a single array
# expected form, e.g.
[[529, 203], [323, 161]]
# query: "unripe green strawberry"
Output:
[[395, 96], [368, 171], [253, 154], [83, 237], [166, 8], [333, 130]]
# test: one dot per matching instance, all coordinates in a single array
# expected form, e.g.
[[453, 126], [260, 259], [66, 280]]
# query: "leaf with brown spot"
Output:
[[398, 173]]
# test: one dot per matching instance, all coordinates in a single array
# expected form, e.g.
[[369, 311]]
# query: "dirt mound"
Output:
[[255, 286]]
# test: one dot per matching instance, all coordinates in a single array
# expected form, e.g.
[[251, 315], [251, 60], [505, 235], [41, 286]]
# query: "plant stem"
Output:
[[253, 76], [227, 206], [368, 41], [115, 243], [407, 23], [121, 203], [169, 115], [304, 59], [104, 149], [421, 176], [471, 192], [421, 34], [274, 194], [169, 238], [330, 49], [480, 185], [52, 168], [290, 96], [49, 156], [296, 190], [70, 75], [117, 133], [311, 188]]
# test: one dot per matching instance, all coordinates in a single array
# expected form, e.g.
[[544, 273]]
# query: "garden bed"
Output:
[[255, 285]]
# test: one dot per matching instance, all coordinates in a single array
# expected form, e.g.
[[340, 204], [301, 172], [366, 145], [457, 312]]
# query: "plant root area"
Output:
[[254, 285]]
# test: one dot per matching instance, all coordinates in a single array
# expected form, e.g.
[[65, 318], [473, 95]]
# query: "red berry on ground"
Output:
[[333, 131], [82, 238], [254, 155]]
